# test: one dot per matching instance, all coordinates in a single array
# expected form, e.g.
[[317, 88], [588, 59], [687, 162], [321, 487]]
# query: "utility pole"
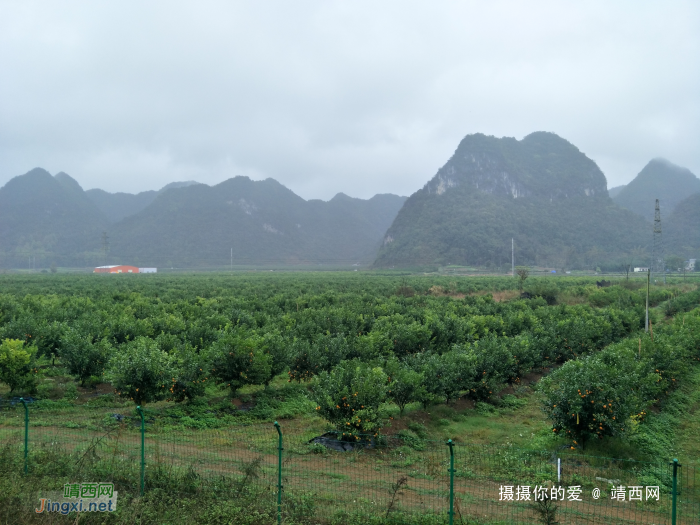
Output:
[[105, 246], [231, 260], [512, 256], [657, 253]]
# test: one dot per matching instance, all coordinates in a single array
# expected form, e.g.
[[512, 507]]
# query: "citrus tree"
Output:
[[192, 370], [449, 374], [240, 358], [82, 356], [141, 371], [349, 396], [594, 397], [405, 384], [16, 362]]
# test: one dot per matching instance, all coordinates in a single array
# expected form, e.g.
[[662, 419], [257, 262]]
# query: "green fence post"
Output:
[[143, 448], [674, 490], [26, 434], [279, 473], [452, 480]]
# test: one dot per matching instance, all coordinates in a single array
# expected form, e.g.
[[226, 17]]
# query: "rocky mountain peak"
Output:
[[541, 164]]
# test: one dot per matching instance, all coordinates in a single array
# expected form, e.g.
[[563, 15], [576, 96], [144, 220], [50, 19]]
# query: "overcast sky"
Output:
[[354, 96]]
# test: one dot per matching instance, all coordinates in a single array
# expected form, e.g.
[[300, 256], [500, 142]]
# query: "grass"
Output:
[[689, 424], [210, 438]]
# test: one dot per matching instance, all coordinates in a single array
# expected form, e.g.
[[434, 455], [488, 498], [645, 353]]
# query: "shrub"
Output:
[[412, 439]]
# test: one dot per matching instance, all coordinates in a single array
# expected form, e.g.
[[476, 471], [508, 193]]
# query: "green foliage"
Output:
[[312, 323], [412, 439], [239, 358], [322, 353], [174, 496], [607, 393], [192, 368], [510, 402], [405, 385], [349, 396], [71, 392], [275, 345], [16, 362], [544, 288], [593, 397], [82, 356], [682, 303], [141, 371], [523, 273], [448, 374]]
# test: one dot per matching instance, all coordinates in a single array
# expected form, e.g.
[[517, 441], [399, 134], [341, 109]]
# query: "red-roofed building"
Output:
[[117, 268]]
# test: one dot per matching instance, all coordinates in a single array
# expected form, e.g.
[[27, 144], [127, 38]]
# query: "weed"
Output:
[[546, 510], [396, 491], [251, 470]]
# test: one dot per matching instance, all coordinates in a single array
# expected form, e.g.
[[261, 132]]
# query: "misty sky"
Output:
[[354, 96]]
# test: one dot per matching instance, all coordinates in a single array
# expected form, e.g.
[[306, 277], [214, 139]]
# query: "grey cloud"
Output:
[[359, 97]]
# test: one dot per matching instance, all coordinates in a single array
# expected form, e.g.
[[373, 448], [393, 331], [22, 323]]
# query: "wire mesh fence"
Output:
[[324, 479]]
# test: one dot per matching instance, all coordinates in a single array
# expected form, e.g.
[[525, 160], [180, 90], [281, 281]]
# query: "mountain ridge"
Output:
[[41, 214], [185, 221], [540, 190], [261, 221], [117, 206], [659, 179]]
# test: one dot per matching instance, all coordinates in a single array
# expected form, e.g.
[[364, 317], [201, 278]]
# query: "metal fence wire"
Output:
[[303, 478]]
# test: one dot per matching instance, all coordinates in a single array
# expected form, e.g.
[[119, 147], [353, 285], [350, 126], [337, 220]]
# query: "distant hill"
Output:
[[681, 230], [614, 192], [262, 221], [47, 218], [541, 190], [660, 179], [117, 206], [185, 224]]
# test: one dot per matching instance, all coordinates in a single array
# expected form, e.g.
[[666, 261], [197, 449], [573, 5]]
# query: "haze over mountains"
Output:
[[46, 216], [117, 206], [542, 191], [262, 221], [54, 221], [660, 179]]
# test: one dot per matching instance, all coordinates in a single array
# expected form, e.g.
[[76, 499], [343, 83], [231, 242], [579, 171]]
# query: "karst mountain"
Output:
[[540, 191]]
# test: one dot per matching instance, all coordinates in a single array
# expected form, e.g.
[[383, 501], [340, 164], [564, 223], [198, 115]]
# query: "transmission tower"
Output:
[[657, 252], [105, 246]]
